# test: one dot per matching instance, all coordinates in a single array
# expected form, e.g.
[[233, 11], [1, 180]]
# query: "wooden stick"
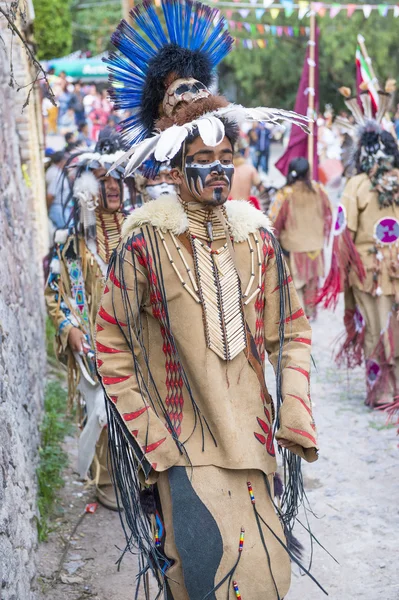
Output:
[[311, 86]]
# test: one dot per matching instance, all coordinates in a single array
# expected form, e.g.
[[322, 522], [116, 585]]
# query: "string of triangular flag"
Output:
[[304, 7], [274, 30]]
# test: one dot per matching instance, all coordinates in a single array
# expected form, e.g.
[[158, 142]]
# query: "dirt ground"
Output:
[[353, 489]]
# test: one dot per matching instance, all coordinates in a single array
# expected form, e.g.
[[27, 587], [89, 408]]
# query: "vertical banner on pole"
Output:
[[307, 100]]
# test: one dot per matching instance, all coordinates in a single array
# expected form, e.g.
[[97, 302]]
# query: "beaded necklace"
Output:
[[108, 233]]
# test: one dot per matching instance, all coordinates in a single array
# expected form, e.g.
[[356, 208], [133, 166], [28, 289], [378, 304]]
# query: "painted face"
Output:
[[215, 175], [208, 172], [161, 185]]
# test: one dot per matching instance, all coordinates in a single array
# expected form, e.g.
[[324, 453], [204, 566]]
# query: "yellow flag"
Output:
[[274, 12]]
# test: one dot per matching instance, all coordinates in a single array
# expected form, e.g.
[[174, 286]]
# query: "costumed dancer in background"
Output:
[[302, 215], [247, 179], [196, 295], [365, 253], [160, 184], [75, 284]]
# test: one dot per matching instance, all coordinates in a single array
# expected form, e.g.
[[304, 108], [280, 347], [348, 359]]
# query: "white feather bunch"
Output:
[[86, 191]]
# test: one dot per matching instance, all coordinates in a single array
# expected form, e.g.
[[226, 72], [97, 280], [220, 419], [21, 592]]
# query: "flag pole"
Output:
[[362, 43], [127, 6], [311, 88]]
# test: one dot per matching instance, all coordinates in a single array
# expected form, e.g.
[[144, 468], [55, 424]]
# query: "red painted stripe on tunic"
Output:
[[300, 370], [154, 446], [114, 399], [304, 434], [285, 282], [135, 432], [302, 402], [260, 438], [107, 349], [114, 279], [296, 315], [99, 328], [134, 415], [106, 290], [302, 340], [109, 318], [99, 362], [113, 380]]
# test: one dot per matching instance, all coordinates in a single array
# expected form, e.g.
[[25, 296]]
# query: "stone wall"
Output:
[[22, 344]]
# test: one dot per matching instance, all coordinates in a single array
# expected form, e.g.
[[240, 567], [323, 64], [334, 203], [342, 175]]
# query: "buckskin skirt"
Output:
[[216, 538]]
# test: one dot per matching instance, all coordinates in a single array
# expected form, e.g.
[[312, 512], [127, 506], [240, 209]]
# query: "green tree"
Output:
[[53, 28], [271, 76], [92, 28]]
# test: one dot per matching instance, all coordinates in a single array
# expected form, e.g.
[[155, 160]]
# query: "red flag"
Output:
[[298, 143]]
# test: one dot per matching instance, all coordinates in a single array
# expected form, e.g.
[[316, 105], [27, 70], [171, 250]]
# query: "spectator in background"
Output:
[[98, 118], [253, 139], [83, 136], [88, 100], [67, 122], [263, 147], [70, 141], [64, 101], [57, 188], [106, 103], [396, 122], [50, 114], [77, 103]]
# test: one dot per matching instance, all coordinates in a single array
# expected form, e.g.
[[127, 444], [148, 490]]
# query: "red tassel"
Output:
[[350, 353], [344, 258]]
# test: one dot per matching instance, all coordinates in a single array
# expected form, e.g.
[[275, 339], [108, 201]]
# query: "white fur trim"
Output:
[[55, 267], [168, 214], [86, 184], [61, 236], [245, 219], [110, 158]]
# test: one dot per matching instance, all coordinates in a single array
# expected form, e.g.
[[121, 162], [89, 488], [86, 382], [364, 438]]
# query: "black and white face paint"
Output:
[[160, 189], [199, 176]]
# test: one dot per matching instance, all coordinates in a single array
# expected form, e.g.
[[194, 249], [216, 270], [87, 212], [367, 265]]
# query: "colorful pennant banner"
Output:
[[304, 7], [274, 30]]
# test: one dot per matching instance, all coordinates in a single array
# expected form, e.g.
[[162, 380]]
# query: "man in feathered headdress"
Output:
[[76, 281], [196, 295], [365, 252]]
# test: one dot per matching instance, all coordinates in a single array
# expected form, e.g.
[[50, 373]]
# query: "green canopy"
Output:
[[86, 69]]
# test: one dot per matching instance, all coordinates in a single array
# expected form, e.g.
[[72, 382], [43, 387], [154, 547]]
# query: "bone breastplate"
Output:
[[219, 286]]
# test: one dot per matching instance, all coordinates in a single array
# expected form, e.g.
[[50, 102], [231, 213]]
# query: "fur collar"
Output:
[[167, 214]]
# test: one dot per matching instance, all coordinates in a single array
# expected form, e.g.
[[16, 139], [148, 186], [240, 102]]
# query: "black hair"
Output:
[[69, 136], [82, 125], [231, 130], [57, 157], [299, 170]]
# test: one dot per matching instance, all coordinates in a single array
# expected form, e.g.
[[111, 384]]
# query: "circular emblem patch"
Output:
[[373, 372], [387, 230], [340, 222]]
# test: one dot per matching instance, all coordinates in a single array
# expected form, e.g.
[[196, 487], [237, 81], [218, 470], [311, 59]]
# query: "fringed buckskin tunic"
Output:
[[189, 411]]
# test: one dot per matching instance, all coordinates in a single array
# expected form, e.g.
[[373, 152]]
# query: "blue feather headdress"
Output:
[[161, 74], [191, 43]]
